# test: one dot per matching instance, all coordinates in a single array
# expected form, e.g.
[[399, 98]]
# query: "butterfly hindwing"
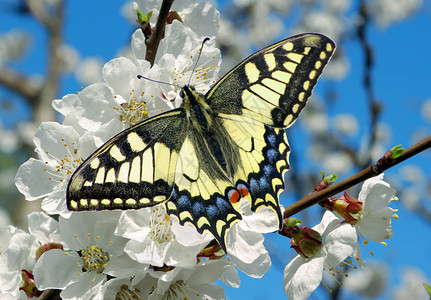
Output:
[[135, 169], [273, 85], [213, 205], [264, 155]]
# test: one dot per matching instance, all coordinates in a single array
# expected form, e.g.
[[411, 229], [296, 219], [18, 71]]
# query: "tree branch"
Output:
[[374, 106], [153, 41], [43, 110], [371, 171], [19, 84], [37, 9]]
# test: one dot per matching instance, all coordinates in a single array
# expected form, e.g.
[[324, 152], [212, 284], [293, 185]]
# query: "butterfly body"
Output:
[[202, 158], [214, 148]]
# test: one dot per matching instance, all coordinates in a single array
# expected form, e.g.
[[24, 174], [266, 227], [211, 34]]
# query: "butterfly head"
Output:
[[187, 91]]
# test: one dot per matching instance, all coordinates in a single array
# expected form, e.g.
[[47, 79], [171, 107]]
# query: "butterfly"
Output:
[[203, 157]]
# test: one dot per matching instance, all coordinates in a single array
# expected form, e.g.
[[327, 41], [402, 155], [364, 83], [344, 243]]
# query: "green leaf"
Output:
[[143, 18], [330, 179], [292, 222], [397, 151]]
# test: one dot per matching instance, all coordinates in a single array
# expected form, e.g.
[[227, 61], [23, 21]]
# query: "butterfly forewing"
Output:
[[135, 169], [273, 85]]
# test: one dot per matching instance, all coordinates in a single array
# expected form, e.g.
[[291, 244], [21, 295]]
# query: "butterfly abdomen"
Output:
[[213, 145]]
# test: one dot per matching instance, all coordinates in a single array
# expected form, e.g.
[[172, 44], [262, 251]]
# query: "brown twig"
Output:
[[371, 171], [40, 97], [373, 105], [153, 41], [19, 83]]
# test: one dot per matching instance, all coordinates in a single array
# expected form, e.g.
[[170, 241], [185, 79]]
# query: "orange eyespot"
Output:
[[233, 196], [242, 189]]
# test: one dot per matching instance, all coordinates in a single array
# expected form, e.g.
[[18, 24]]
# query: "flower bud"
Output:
[[28, 285], [349, 208], [288, 225], [306, 241], [42, 249]]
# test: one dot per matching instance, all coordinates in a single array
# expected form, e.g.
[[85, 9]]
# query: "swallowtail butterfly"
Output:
[[202, 158]]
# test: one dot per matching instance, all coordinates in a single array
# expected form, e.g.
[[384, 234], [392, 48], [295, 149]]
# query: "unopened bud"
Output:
[[349, 208], [42, 249], [306, 241], [28, 285]]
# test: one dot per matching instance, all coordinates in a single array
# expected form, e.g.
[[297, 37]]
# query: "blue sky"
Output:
[[401, 81]]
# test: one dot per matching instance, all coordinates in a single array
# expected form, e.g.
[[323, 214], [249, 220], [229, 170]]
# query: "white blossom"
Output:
[[302, 276], [158, 239], [375, 222], [91, 252], [195, 283], [426, 110], [346, 124], [411, 285], [88, 70], [244, 241], [17, 254], [60, 151], [369, 281], [386, 12], [13, 45]]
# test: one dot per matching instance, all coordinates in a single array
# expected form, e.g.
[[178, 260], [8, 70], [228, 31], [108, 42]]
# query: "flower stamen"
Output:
[[160, 225]]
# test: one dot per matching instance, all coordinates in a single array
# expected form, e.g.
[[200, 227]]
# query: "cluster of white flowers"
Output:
[[304, 274], [13, 45], [146, 254]]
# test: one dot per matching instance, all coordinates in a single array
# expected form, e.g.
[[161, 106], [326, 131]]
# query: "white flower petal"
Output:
[[43, 227], [339, 244], [376, 194], [53, 140], [32, 181], [123, 267], [68, 104], [55, 202], [85, 288], [119, 74], [134, 225], [203, 11], [48, 274], [376, 225], [138, 45], [246, 251], [265, 220], [98, 101], [230, 277], [302, 277]]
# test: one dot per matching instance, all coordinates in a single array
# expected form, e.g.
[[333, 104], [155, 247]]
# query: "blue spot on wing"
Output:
[[263, 182], [267, 170], [212, 211], [272, 140], [254, 186], [198, 209], [272, 155], [223, 205], [184, 202]]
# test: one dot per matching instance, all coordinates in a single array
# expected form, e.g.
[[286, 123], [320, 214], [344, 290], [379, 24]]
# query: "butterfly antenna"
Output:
[[197, 60], [156, 81]]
